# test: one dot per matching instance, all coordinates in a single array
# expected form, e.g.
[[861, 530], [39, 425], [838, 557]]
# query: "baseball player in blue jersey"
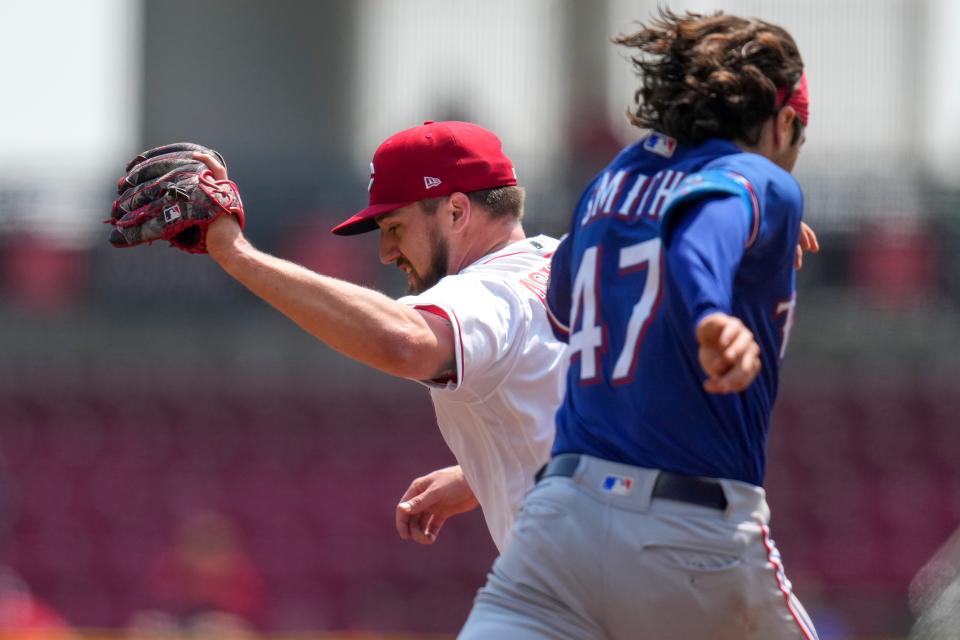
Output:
[[675, 291]]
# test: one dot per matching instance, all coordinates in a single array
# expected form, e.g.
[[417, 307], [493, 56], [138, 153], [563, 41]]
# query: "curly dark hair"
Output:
[[712, 76]]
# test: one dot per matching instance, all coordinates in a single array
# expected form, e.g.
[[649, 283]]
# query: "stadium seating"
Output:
[[863, 485]]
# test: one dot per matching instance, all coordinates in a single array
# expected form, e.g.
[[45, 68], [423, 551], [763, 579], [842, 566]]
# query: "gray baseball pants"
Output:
[[595, 558]]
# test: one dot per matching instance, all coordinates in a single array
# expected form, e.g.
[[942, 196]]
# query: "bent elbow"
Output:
[[415, 356]]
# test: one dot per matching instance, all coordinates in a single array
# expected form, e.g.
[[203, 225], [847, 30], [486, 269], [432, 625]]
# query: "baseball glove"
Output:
[[169, 195]]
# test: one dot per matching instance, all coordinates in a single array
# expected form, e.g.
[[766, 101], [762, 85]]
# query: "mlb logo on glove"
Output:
[[171, 213], [168, 193]]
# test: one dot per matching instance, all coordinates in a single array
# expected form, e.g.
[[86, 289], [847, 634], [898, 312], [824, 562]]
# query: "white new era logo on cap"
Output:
[[430, 183]]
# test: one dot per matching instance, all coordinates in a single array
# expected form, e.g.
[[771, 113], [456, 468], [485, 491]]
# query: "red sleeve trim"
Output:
[[455, 322], [434, 309]]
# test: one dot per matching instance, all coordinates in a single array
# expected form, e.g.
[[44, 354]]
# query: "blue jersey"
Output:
[[665, 235]]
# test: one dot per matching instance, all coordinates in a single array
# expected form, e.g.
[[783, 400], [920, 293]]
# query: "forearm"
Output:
[[358, 322]]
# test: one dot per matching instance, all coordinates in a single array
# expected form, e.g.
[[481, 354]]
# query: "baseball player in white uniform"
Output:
[[445, 199], [492, 411]]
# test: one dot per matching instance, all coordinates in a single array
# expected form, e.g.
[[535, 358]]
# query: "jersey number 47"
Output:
[[588, 342]]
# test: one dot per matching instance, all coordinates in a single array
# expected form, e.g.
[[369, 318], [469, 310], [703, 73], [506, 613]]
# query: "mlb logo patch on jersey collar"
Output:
[[617, 485], [660, 144]]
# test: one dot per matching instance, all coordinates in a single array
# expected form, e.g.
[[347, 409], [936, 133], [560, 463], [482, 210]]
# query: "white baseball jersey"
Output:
[[497, 414]]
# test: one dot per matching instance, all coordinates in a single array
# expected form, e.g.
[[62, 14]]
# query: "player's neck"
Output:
[[774, 145], [495, 238]]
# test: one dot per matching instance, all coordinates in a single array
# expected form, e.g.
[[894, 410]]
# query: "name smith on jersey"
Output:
[[629, 195]]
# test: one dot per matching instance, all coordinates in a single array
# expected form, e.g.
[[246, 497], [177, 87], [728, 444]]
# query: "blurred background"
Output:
[[177, 457]]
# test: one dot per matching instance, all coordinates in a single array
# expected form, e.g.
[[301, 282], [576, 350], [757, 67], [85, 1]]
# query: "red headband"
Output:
[[798, 98]]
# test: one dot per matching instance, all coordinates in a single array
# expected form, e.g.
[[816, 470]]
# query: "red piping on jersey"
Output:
[[440, 311], [559, 326], [755, 201], [781, 576], [515, 253]]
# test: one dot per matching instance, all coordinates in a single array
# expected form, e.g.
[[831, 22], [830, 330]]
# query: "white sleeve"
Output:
[[486, 318]]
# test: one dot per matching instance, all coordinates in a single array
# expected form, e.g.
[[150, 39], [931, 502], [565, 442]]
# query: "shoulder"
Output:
[[764, 189], [455, 289], [514, 259], [505, 277], [774, 188]]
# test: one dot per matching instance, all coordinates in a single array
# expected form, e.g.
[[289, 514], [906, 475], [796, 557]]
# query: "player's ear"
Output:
[[460, 210], [783, 128]]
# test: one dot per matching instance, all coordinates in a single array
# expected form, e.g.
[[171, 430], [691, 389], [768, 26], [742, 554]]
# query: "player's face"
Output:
[[411, 238]]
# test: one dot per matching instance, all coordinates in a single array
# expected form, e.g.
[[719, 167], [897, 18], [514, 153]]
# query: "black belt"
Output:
[[668, 486]]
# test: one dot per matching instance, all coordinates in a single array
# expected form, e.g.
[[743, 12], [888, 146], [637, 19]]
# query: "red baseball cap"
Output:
[[429, 161]]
